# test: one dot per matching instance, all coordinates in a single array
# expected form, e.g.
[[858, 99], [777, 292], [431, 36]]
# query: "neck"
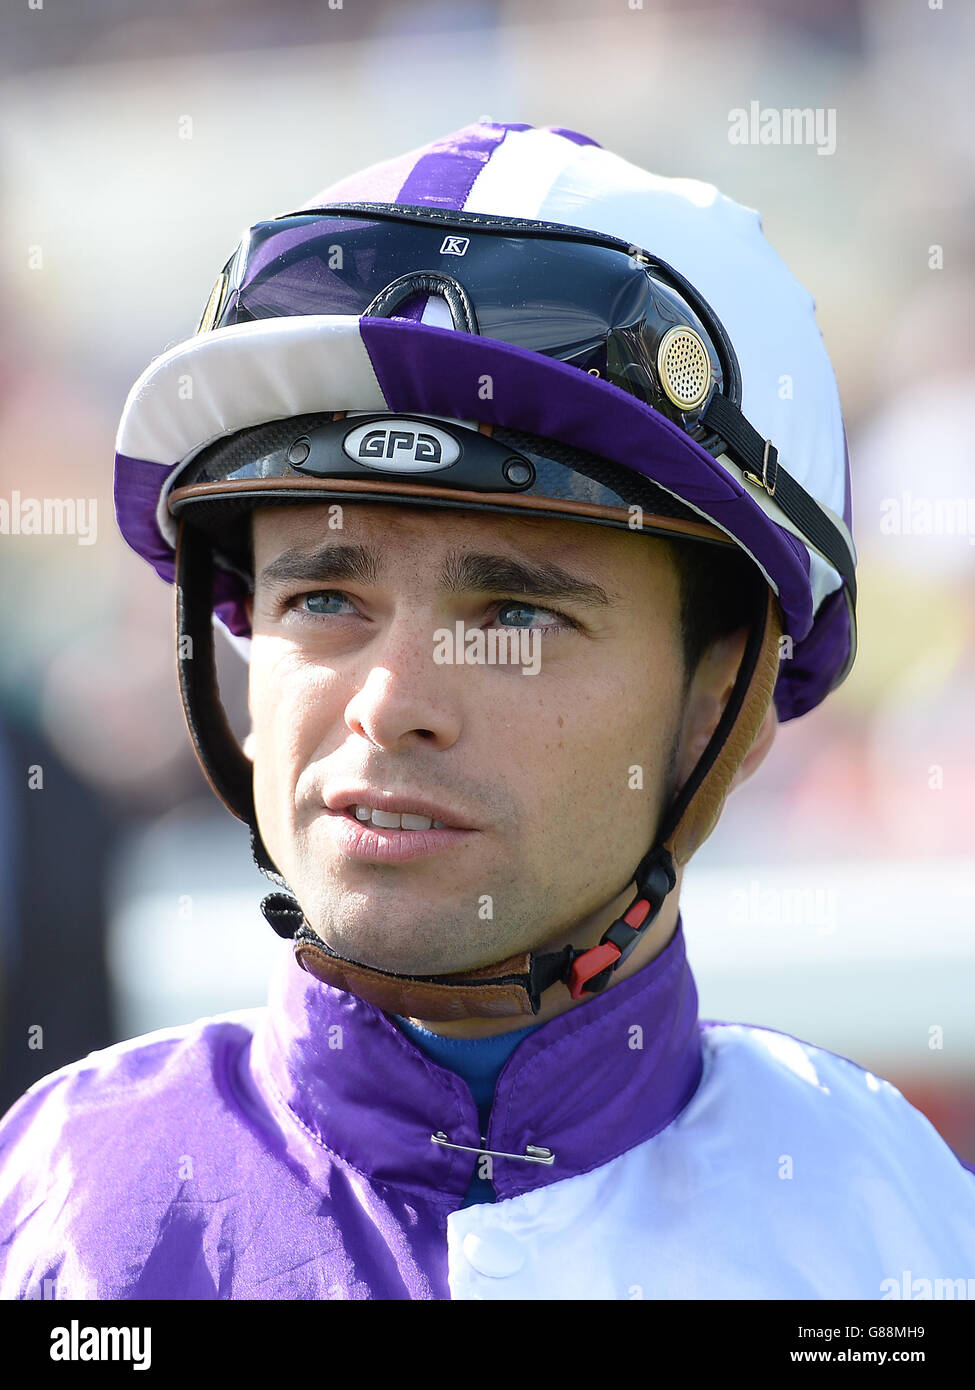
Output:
[[557, 1000]]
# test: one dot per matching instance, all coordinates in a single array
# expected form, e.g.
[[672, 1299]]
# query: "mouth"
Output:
[[389, 811], [374, 827]]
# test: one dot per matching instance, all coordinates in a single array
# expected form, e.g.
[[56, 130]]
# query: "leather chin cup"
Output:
[[511, 988]]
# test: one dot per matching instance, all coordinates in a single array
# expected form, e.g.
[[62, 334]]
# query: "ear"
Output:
[[709, 693], [248, 746]]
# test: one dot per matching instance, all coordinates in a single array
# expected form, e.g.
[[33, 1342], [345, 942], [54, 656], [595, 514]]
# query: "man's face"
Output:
[[557, 778]]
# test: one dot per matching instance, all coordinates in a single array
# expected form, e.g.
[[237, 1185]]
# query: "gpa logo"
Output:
[[455, 245], [401, 446]]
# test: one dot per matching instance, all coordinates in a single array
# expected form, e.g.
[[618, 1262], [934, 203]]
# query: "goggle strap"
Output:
[[473, 221], [759, 458]]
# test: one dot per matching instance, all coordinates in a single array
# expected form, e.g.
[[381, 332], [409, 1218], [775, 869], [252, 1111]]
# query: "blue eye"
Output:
[[523, 613], [320, 602]]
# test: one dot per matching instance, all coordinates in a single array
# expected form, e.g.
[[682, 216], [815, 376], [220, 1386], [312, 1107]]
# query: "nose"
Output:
[[406, 697]]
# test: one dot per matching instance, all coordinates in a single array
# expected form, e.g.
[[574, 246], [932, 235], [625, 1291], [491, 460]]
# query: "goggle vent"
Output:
[[684, 367]]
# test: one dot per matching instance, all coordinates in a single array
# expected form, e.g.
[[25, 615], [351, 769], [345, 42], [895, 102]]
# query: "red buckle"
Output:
[[608, 952], [637, 914], [590, 963]]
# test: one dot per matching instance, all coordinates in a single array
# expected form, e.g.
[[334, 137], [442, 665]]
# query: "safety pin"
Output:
[[534, 1153]]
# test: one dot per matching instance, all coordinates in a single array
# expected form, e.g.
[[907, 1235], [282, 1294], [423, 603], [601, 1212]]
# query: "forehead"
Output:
[[405, 535]]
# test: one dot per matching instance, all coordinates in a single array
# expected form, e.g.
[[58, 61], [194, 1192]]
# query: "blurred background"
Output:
[[836, 901]]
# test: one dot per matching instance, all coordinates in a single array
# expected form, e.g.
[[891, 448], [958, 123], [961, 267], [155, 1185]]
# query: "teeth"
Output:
[[393, 820]]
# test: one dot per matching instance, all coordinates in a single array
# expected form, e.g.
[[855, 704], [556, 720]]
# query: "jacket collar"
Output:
[[588, 1085]]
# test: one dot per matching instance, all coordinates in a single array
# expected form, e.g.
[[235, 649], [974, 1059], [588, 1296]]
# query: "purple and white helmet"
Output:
[[509, 318]]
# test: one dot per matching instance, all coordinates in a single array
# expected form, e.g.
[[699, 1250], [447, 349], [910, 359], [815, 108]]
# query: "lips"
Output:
[[353, 800]]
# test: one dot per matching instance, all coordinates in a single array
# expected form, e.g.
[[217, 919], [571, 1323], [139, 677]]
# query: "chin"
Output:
[[409, 934], [399, 962], [376, 941]]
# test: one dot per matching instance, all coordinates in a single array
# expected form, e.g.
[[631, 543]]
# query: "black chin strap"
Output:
[[228, 770]]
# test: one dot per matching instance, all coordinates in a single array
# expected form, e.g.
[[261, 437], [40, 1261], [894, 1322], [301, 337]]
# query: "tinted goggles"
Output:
[[614, 311], [586, 299]]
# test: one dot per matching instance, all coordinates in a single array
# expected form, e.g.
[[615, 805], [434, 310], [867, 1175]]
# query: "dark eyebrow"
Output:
[[333, 560], [464, 571], [467, 571]]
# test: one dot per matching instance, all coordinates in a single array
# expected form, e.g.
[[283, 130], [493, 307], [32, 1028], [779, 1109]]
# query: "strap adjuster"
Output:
[[770, 450], [591, 970], [769, 453]]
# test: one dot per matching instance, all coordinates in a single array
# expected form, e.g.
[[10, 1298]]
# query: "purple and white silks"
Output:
[[286, 1153]]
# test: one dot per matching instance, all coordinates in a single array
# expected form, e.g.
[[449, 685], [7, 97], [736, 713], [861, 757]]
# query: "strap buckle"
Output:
[[769, 451], [590, 971]]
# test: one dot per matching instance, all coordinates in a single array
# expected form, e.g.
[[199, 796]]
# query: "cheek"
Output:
[[601, 745], [616, 748], [292, 706]]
